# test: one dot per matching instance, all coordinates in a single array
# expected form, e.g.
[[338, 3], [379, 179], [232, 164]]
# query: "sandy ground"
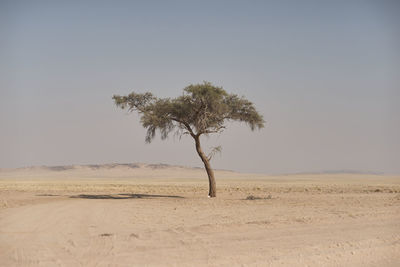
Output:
[[158, 215]]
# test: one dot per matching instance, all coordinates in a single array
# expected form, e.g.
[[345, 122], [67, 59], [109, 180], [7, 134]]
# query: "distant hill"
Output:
[[107, 166], [147, 167], [341, 172], [111, 170]]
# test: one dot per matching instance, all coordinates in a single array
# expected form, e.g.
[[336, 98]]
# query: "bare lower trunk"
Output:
[[211, 179]]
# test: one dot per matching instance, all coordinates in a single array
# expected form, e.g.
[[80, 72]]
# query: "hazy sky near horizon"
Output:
[[324, 74]]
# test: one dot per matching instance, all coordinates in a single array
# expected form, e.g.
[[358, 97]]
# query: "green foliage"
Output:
[[202, 109]]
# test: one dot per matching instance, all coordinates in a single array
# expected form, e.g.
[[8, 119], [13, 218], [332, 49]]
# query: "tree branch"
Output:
[[187, 126]]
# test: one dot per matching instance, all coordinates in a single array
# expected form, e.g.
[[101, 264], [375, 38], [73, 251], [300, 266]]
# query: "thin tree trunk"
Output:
[[211, 179]]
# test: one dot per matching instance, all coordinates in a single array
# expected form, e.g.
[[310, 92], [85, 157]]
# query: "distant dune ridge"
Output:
[[106, 166], [127, 167], [111, 170], [161, 166], [161, 173]]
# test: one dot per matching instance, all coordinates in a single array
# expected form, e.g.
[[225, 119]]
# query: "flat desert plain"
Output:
[[159, 215]]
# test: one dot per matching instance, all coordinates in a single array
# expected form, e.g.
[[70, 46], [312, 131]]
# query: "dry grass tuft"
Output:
[[251, 197]]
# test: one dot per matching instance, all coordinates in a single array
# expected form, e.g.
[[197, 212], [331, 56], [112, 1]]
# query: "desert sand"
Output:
[[159, 215]]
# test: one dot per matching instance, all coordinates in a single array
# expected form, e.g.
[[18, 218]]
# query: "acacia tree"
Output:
[[203, 109]]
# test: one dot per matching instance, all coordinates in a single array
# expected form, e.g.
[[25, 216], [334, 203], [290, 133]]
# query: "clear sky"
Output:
[[324, 74]]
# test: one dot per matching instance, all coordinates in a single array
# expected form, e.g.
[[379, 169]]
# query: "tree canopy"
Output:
[[202, 109]]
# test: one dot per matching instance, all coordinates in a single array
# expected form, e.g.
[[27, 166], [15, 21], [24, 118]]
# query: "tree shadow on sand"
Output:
[[123, 196]]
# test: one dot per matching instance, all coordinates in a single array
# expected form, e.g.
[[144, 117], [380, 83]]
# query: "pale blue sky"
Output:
[[325, 75]]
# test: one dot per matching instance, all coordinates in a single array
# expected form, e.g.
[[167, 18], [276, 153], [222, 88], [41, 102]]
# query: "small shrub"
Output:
[[251, 197], [106, 234]]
